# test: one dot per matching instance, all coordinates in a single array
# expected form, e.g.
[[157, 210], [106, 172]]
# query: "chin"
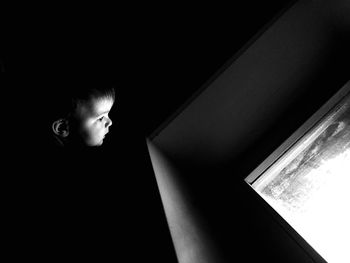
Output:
[[95, 144], [99, 143]]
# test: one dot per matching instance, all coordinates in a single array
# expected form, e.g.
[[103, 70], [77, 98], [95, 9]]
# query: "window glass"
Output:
[[309, 185]]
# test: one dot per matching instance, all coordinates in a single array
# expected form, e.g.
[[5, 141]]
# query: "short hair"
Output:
[[69, 94]]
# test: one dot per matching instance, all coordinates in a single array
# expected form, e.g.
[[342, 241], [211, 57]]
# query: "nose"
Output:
[[108, 122]]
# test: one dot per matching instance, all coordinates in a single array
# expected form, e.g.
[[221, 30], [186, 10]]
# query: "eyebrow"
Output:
[[96, 113], [101, 113]]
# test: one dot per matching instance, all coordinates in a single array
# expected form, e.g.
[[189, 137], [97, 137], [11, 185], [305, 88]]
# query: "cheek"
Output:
[[94, 130], [92, 135]]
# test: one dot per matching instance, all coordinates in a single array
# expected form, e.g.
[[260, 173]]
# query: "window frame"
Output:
[[314, 120]]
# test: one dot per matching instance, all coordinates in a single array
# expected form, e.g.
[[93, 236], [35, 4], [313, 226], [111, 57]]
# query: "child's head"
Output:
[[80, 114]]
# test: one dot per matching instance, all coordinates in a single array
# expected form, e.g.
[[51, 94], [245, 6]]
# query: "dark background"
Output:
[[158, 56]]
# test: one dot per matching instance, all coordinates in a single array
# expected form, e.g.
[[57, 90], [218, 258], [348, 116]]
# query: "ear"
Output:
[[61, 128]]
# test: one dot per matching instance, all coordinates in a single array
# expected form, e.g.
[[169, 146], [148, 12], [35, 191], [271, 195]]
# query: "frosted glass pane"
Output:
[[309, 185]]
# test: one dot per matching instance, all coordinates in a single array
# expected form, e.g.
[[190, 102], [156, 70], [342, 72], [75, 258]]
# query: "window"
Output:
[[307, 180]]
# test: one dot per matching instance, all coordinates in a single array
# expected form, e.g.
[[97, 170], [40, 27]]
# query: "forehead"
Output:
[[95, 107]]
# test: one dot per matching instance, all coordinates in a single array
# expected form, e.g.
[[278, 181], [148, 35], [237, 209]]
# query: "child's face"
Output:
[[93, 121]]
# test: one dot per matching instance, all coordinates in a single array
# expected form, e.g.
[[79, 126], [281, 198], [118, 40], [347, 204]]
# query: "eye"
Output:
[[100, 119]]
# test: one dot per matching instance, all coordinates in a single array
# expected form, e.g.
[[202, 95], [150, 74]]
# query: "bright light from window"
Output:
[[309, 186]]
